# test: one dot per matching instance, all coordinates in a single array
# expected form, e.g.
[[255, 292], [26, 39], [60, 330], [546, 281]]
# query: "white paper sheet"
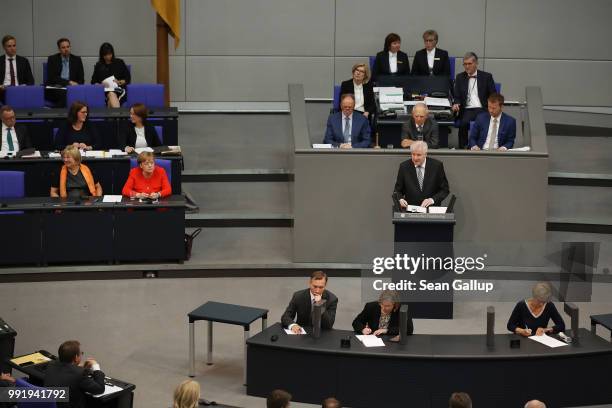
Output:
[[111, 198], [321, 146], [370, 340], [108, 389], [437, 102], [520, 149], [109, 84], [416, 209], [293, 334], [94, 153], [391, 95], [32, 156], [437, 210], [548, 341], [116, 152], [143, 149], [54, 155]]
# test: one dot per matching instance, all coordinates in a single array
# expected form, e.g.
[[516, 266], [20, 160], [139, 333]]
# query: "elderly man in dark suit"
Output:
[[472, 89], [12, 138], [302, 302], [63, 69], [421, 180], [67, 372], [420, 127], [347, 129]]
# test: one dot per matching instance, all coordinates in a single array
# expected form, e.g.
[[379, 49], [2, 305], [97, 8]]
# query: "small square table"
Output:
[[604, 319], [223, 313]]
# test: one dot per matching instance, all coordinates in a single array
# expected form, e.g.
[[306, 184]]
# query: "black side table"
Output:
[[604, 319], [223, 313]]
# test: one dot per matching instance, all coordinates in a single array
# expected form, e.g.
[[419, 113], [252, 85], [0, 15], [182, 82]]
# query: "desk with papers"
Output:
[[428, 368]]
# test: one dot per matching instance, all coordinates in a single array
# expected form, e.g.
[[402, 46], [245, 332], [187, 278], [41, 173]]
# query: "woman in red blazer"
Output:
[[147, 180]]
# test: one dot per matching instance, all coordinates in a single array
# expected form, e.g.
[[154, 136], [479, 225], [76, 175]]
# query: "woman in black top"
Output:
[[531, 316], [77, 131], [362, 89], [138, 133], [391, 61], [108, 66], [381, 317]]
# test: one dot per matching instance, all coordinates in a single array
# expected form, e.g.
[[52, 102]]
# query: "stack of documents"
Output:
[[548, 341], [370, 340], [443, 102], [390, 98]]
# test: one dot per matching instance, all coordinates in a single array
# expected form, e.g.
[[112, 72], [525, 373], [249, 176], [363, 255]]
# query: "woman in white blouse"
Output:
[[361, 89], [391, 61], [139, 133]]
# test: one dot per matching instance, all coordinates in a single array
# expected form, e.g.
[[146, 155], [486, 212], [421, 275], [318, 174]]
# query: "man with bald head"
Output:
[[421, 180], [420, 127], [535, 404]]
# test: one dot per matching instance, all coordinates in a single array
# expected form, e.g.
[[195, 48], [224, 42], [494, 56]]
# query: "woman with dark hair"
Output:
[[77, 131], [108, 66], [391, 61], [138, 133]]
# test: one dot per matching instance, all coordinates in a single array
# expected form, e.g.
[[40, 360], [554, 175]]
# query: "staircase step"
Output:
[[579, 155], [562, 178], [231, 175], [237, 220]]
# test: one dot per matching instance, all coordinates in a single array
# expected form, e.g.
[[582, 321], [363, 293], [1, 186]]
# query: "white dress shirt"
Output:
[[7, 72], [473, 101], [392, 62], [359, 99], [140, 137], [431, 55], [4, 147], [490, 134]]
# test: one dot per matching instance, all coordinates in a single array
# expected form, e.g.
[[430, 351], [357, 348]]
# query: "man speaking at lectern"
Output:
[[421, 180]]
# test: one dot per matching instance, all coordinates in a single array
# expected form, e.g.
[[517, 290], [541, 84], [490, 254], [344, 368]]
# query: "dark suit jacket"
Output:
[[77, 379], [435, 184], [117, 68], [128, 136], [371, 315], [23, 137], [66, 135], [441, 65], [360, 130], [301, 306], [369, 104], [486, 86], [54, 70], [381, 64], [430, 132], [506, 131], [24, 72]]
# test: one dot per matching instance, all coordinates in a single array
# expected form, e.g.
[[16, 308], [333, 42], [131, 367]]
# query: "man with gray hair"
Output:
[[421, 180], [535, 404], [420, 127], [472, 90]]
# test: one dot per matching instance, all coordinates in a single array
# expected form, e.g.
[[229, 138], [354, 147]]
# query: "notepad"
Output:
[[437, 210], [370, 340], [321, 146], [548, 341], [109, 198], [416, 209], [34, 358]]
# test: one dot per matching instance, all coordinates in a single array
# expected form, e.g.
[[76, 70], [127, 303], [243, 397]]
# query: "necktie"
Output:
[[12, 71], [347, 129], [420, 132], [9, 140], [420, 176], [493, 135], [65, 69]]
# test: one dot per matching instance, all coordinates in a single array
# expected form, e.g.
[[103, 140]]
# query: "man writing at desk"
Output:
[[67, 372], [421, 180], [302, 303]]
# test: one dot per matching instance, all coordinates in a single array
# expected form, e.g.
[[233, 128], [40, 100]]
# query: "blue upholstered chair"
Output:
[[92, 95], [152, 95], [23, 97], [20, 382]]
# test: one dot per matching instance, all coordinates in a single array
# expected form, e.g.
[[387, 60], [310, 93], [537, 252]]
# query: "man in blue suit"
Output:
[[346, 129], [493, 130]]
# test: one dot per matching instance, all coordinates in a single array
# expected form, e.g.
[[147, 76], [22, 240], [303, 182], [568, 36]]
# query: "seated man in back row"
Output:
[[493, 130], [347, 129], [420, 127]]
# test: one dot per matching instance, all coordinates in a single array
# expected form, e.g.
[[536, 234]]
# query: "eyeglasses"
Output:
[[361, 71]]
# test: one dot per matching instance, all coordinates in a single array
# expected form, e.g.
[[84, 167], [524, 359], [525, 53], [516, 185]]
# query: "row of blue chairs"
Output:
[[33, 97], [12, 183]]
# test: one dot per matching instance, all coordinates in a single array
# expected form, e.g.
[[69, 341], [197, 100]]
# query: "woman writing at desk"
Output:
[[531, 316], [75, 179], [381, 317], [147, 180]]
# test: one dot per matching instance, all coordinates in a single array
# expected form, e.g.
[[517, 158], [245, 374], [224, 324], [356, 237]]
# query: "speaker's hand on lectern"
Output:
[[427, 202], [403, 203]]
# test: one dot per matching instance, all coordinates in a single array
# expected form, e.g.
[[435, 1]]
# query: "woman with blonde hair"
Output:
[[531, 316], [361, 88], [186, 395]]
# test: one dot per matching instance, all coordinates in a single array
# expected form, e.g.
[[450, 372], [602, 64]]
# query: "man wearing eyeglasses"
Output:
[[472, 90], [68, 372]]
